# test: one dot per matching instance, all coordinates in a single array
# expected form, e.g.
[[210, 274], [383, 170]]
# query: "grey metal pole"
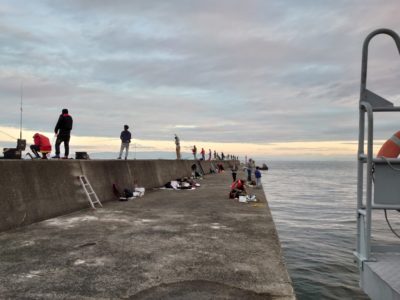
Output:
[[369, 179], [364, 64], [360, 174], [364, 105]]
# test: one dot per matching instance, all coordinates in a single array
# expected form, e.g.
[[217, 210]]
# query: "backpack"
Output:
[[128, 193]]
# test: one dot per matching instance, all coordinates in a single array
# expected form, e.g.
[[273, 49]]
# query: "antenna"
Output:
[[20, 123], [21, 144]]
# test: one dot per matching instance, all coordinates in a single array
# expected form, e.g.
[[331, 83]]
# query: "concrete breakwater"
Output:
[[169, 244], [32, 191]]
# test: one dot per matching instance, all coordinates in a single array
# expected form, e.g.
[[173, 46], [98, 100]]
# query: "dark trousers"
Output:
[[234, 176], [63, 139], [249, 175], [35, 149]]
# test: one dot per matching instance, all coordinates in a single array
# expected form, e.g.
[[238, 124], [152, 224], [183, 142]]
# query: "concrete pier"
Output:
[[189, 244]]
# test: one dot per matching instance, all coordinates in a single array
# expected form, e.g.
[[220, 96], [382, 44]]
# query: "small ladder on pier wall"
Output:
[[91, 195]]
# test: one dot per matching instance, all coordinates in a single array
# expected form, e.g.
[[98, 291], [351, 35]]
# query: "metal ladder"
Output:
[[366, 201], [93, 199]]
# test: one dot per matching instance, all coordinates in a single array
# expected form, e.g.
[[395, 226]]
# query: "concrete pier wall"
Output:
[[37, 190], [188, 244]]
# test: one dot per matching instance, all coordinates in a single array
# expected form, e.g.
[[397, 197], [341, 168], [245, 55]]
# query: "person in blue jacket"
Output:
[[125, 141]]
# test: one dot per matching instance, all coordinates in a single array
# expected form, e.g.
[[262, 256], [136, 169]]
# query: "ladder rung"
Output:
[[89, 191]]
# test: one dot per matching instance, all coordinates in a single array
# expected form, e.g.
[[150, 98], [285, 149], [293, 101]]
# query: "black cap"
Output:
[[65, 111]]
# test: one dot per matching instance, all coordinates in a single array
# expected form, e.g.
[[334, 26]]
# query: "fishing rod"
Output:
[[21, 144]]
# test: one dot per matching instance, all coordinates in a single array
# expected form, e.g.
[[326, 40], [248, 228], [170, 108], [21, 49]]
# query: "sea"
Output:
[[313, 205]]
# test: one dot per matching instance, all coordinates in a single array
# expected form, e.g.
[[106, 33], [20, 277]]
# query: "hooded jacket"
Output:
[[42, 141]]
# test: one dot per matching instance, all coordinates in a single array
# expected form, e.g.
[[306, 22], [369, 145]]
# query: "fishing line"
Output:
[[7, 134], [390, 226]]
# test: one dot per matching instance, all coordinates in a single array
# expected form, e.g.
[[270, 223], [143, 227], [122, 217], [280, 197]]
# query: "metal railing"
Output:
[[369, 103]]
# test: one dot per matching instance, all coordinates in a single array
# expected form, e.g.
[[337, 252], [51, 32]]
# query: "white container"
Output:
[[243, 199]]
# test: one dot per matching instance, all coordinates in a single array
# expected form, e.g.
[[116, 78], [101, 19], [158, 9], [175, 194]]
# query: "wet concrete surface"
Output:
[[189, 244]]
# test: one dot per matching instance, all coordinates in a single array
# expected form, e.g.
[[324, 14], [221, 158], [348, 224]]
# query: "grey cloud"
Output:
[[251, 71]]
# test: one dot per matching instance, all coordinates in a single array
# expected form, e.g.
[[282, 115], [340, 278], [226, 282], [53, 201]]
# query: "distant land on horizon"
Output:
[[171, 155]]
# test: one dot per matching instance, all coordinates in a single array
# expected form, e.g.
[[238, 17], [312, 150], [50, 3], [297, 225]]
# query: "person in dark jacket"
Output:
[[125, 141], [63, 132]]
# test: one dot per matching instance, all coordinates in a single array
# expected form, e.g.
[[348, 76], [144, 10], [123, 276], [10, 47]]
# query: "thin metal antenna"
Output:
[[20, 120]]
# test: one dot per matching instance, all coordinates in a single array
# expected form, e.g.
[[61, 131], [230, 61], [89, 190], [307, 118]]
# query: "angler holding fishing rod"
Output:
[[63, 133]]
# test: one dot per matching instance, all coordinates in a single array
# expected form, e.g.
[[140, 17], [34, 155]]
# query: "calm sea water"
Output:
[[313, 206]]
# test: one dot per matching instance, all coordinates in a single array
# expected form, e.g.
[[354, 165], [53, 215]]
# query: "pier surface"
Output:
[[189, 244]]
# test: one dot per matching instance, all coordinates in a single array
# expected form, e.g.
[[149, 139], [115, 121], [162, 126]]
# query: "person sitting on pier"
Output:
[[41, 144], [195, 172], [238, 189]]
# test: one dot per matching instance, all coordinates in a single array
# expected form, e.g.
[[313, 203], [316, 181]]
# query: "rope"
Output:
[[390, 226], [390, 165]]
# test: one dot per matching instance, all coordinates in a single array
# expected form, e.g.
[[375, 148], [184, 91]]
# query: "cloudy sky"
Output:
[[263, 78]]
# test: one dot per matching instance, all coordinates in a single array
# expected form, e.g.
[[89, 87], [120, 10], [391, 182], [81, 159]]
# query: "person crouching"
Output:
[[238, 188], [41, 144]]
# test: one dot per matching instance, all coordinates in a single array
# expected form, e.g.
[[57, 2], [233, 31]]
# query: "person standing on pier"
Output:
[[248, 168], [257, 174], [234, 170], [203, 154], [125, 141], [63, 132], [178, 147], [194, 151], [209, 154]]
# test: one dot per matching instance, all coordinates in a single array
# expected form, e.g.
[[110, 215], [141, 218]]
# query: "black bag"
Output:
[[81, 155], [128, 193]]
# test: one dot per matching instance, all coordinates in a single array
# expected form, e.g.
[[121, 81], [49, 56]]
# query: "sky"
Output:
[[268, 79]]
